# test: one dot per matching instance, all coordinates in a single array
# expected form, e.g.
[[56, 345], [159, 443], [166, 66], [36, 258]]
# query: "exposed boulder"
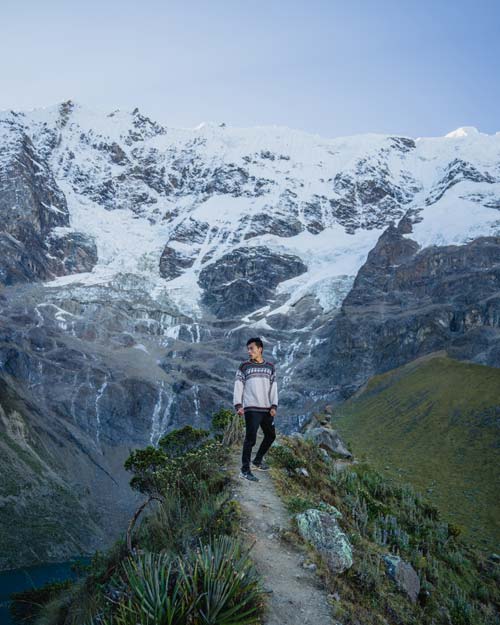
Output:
[[320, 419], [325, 455], [328, 439], [321, 529], [284, 226], [302, 471], [404, 575]]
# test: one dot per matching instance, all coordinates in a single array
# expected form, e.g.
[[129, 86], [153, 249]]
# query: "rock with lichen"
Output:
[[321, 529]]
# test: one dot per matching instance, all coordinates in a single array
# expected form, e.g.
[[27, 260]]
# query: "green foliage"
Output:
[[367, 572], [147, 465], [179, 521], [228, 426], [455, 530], [297, 504], [222, 578], [183, 473], [179, 442], [157, 473], [221, 419], [156, 593], [103, 565], [385, 515], [284, 457], [461, 611], [215, 584], [176, 547], [227, 521], [171, 577]]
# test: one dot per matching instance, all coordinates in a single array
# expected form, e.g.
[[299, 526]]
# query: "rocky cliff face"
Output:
[[406, 302], [32, 206], [136, 260]]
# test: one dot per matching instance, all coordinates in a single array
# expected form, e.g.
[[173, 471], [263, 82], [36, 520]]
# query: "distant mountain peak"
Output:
[[464, 131]]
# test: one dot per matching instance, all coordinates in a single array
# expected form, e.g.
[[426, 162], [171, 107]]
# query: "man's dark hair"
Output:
[[257, 342]]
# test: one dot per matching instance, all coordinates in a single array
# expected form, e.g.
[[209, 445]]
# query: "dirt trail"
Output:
[[297, 597]]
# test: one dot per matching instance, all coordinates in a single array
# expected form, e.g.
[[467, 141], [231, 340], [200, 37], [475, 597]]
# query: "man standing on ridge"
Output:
[[256, 397]]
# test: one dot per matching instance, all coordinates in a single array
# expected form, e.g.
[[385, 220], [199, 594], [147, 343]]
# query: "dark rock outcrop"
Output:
[[173, 263], [328, 439], [245, 279], [406, 302], [404, 575], [31, 207]]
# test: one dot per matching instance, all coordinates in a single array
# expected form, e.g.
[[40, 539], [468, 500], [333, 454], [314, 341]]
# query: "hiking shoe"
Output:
[[260, 466], [248, 475]]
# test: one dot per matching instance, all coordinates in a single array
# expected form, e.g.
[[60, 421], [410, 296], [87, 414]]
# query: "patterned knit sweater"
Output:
[[255, 386]]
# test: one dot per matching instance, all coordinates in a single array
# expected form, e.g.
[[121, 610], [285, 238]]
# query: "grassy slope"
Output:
[[382, 515], [434, 422]]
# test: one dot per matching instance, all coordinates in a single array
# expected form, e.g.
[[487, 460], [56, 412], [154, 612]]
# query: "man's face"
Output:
[[254, 352]]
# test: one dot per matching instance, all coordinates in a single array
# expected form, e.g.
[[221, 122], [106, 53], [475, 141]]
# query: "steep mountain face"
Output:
[[56, 496], [137, 260], [406, 302], [32, 206]]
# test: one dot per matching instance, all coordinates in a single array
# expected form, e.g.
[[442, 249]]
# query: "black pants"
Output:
[[254, 418]]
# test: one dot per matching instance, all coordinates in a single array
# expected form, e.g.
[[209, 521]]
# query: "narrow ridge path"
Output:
[[297, 597]]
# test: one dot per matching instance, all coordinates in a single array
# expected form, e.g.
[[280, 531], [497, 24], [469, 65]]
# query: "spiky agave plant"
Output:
[[216, 584], [157, 592], [223, 580]]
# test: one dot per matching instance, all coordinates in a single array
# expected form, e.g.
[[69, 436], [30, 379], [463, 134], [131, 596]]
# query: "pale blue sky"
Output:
[[418, 68]]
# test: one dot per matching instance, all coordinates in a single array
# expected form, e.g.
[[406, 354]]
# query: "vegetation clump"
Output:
[[386, 517], [184, 564]]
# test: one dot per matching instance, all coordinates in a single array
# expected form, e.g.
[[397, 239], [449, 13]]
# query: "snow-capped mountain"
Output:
[[165, 203], [137, 260]]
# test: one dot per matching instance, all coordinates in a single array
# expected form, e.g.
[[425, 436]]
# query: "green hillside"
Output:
[[435, 422]]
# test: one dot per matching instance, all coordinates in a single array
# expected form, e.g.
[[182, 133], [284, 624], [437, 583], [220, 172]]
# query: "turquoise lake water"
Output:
[[32, 577]]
